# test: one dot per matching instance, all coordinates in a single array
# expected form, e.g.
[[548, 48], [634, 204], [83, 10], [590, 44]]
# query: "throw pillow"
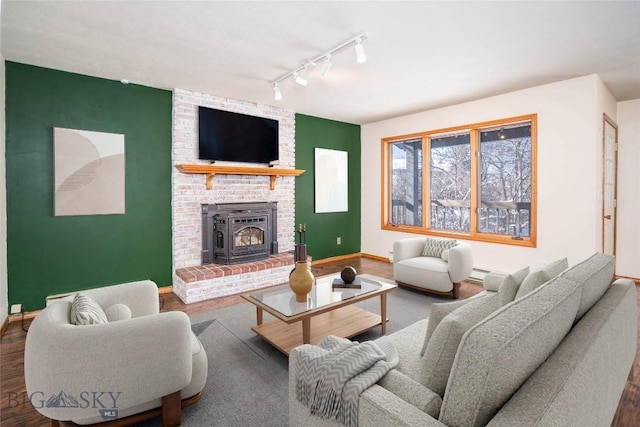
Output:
[[85, 311], [434, 247], [118, 312], [542, 275], [510, 285], [437, 312], [442, 347], [445, 255]]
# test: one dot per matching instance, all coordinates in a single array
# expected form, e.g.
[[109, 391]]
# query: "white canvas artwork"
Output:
[[331, 181], [89, 172]]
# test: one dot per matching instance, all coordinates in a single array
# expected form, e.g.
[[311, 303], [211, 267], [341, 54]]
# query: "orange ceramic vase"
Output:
[[301, 281]]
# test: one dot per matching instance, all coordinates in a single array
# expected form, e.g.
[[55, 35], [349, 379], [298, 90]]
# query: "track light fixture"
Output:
[[276, 92], [360, 55], [299, 79], [326, 64]]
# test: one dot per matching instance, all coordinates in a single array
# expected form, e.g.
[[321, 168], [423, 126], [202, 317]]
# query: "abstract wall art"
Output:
[[89, 173]]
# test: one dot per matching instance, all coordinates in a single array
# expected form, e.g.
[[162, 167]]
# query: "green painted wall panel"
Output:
[[324, 228], [49, 255]]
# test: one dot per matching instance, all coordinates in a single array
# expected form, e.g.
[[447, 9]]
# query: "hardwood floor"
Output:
[[16, 411]]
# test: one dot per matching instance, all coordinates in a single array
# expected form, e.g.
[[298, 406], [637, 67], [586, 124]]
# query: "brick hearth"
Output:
[[199, 283]]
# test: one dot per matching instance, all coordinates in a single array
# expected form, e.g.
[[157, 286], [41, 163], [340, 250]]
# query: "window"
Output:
[[475, 181], [406, 182]]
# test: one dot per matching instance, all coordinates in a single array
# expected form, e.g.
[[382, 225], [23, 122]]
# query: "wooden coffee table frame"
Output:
[[341, 318]]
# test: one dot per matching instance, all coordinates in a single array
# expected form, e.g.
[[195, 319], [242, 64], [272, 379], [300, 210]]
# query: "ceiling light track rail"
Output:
[[326, 64]]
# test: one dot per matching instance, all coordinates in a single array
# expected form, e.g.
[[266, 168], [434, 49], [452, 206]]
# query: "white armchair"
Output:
[[149, 365], [440, 275]]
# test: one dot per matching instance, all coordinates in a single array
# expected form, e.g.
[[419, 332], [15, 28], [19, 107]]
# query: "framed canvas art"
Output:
[[331, 181], [89, 172]]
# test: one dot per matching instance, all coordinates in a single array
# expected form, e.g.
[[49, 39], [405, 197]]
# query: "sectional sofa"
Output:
[[552, 346]]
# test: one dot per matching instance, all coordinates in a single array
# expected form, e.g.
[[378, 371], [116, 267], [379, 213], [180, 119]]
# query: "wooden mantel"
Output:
[[212, 170]]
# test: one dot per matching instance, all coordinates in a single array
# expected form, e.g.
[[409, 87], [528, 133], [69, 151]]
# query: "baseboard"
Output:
[[376, 257], [635, 279], [335, 258], [4, 327], [165, 289]]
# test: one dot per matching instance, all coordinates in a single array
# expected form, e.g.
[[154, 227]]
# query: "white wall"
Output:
[[628, 236], [4, 299], [569, 117]]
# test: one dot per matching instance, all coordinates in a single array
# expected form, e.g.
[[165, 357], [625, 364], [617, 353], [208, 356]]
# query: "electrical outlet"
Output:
[[16, 308], [339, 240]]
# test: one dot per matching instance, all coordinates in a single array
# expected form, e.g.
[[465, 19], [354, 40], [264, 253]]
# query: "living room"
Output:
[[47, 255]]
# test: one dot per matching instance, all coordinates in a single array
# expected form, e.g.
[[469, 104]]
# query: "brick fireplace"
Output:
[[194, 281]]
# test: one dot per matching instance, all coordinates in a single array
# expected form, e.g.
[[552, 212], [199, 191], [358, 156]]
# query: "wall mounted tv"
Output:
[[235, 137]]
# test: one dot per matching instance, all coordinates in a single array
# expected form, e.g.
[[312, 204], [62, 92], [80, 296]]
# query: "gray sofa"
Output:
[[558, 354], [439, 268]]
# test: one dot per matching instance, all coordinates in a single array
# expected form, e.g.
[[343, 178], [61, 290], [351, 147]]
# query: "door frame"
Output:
[[606, 120]]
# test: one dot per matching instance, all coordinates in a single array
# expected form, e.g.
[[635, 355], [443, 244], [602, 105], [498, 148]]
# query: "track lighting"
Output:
[[360, 55], [276, 92], [326, 64], [299, 79]]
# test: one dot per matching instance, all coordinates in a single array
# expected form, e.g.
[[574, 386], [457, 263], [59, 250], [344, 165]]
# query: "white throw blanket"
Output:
[[331, 376]]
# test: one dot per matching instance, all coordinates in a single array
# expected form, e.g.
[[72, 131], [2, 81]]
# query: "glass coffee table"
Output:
[[329, 310]]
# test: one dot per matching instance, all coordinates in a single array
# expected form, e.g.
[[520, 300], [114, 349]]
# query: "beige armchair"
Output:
[[440, 274], [140, 368]]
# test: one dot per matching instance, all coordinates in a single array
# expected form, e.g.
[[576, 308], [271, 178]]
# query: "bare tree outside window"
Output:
[[505, 181], [406, 182], [451, 182]]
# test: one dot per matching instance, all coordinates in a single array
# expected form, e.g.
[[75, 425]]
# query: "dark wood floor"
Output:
[[15, 410]]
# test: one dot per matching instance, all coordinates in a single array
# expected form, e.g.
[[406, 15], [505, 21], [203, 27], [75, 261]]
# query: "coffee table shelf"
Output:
[[328, 311], [345, 322]]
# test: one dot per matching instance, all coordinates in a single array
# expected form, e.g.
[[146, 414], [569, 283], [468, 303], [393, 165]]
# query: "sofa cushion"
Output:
[[510, 285], [411, 391], [85, 311], [434, 247], [428, 272], [595, 274], [499, 353], [437, 312], [542, 275], [440, 350]]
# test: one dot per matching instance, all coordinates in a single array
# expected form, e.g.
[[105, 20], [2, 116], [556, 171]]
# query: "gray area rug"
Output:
[[247, 381]]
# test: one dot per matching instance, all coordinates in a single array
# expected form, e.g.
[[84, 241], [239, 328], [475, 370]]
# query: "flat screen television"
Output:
[[235, 137]]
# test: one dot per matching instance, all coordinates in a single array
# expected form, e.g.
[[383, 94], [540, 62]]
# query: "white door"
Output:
[[609, 184]]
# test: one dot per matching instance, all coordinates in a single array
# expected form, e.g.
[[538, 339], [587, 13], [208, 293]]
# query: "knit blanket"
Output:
[[331, 376]]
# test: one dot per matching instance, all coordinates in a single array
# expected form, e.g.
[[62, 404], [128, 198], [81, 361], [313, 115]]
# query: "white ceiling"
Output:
[[421, 55]]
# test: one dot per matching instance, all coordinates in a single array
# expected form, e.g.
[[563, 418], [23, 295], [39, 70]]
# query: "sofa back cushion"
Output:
[[441, 348], [497, 355], [542, 275], [595, 274]]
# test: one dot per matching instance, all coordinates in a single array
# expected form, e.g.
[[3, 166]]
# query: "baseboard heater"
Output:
[[478, 275], [53, 298]]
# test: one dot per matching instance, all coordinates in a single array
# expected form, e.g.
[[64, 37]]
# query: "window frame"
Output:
[[474, 233]]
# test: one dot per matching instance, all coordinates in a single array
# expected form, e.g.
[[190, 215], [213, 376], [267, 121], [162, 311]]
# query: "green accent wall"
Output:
[[48, 255], [324, 228]]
